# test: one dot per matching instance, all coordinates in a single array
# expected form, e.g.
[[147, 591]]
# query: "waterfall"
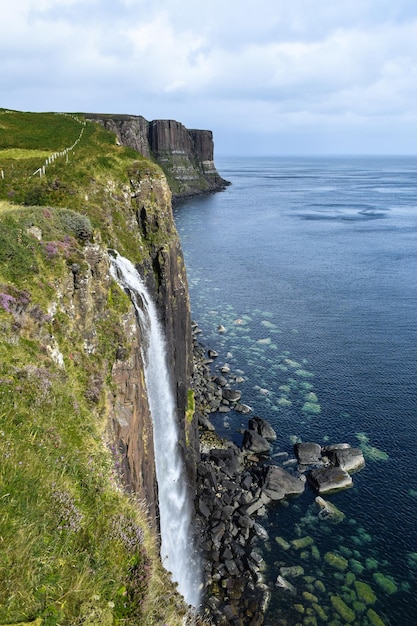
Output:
[[177, 551]]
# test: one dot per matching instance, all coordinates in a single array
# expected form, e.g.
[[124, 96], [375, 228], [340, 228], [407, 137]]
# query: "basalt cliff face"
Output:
[[186, 156], [72, 367]]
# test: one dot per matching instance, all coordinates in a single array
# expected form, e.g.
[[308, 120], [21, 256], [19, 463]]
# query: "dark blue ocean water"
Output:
[[310, 264]]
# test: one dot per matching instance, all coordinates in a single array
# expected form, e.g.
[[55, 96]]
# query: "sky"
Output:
[[268, 77]]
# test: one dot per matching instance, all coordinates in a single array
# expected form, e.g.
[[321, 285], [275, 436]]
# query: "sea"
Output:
[[310, 265]]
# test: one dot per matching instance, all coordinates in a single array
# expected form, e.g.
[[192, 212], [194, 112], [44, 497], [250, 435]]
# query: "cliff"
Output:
[[186, 156], [75, 429]]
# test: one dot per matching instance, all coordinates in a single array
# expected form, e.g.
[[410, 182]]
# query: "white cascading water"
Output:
[[177, 551]]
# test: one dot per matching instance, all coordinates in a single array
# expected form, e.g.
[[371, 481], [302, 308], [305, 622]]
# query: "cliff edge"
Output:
[[77, 481], [186, 156]]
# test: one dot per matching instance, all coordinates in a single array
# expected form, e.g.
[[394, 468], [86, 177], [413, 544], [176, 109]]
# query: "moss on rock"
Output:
[[336, 561]]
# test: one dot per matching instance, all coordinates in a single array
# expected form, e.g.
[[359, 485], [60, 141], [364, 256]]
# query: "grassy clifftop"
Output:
[[75, 549], [84, 171]]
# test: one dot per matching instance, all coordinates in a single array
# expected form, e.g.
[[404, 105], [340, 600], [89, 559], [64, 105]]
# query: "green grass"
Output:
[[75, 549], [94, 181], [37, 131]]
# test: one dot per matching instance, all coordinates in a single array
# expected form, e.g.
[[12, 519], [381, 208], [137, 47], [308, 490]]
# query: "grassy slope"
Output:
[[74, 549]]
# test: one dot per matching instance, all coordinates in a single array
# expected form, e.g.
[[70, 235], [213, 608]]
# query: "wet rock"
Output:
[[262, 427], [261, 532], [293, 571], [255, 443], [329, 511], [278, 483], [349, 459], [281, 456], [308, 453], [231, 395], [220, 380], [243, 408], [335, 446], [281, 583], [329, 479]]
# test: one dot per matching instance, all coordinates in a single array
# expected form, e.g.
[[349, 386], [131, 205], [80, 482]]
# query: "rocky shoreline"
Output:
[[234, 488]]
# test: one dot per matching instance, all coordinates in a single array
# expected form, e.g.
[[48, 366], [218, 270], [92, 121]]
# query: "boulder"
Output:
[[221, 381], [349, 459], [254, 506], [308, 453], [329, 479], [262, 427], [329, 511], [335, 446], [285, 585], [242, 408], [279, 484], [293, 571], [231, 395], [255, 443], [227, 459]]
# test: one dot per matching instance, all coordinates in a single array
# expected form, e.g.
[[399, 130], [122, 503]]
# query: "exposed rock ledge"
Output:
[[186, 156]]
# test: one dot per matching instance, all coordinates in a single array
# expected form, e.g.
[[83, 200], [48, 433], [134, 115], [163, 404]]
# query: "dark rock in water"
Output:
[[279, 484], [261, 532], [262, 427], [308, 453], [221, 381], [231, 395], [242, 408], [281, 583], [329, 511], [329, 479], [335, 446], [255, 443], [349, 459]]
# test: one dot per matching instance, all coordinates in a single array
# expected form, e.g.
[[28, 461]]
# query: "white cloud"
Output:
[[233, 66]]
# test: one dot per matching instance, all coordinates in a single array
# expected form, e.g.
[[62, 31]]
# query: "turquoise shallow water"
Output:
[[310, 264]]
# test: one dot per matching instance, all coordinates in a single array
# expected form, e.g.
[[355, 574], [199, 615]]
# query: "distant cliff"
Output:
[[186, 156]]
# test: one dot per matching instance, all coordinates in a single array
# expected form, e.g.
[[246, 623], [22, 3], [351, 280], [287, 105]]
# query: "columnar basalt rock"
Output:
[[165, 275], [186, 156]]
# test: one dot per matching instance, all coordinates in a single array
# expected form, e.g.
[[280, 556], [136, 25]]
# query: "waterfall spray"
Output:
[[177, 552]]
